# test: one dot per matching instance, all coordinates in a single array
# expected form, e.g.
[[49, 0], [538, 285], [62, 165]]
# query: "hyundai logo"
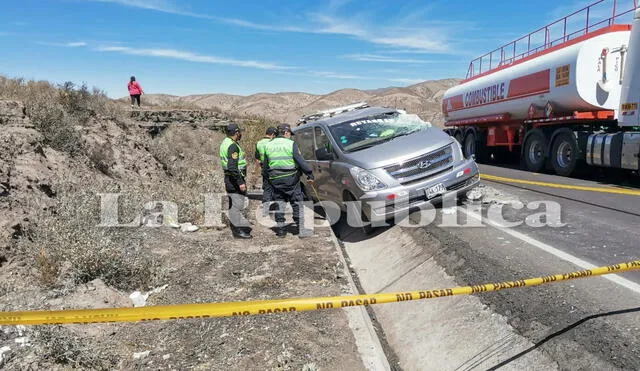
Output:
[[424, 164]]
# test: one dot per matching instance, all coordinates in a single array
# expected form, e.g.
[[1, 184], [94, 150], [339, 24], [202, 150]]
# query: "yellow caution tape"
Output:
[[186, 311], [619, 191]]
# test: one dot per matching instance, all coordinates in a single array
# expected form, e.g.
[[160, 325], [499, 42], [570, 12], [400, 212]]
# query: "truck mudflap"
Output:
[[616, 150]]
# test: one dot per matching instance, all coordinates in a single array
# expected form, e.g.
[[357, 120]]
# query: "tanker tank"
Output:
[[583, 74]]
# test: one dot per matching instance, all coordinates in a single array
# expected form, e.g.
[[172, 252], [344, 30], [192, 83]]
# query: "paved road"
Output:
[[585, 324]]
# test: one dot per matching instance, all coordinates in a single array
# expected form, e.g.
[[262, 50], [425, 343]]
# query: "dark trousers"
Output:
[[288, 190], [135, 98], [237, 201], [267, 190]]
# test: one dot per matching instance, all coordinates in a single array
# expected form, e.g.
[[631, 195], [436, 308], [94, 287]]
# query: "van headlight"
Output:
[[457, 149], [366, 180]]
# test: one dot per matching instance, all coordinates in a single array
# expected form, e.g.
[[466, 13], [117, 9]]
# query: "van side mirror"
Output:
[[322, 154]]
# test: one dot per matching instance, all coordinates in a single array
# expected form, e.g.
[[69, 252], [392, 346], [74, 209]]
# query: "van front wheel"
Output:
[[354, 209]]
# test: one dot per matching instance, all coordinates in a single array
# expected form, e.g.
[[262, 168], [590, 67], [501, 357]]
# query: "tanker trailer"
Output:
[[566, 104]]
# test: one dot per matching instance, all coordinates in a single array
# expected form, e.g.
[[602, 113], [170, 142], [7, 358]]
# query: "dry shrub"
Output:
[[63, 347], [56, 110], [190, 156], [69, 248], [56, 126], [255, 130]]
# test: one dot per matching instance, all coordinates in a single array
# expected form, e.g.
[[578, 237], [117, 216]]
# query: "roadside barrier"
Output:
[[208, 310]]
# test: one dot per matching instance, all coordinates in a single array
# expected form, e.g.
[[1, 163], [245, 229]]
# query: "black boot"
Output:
[[281, 231], [240, 233]]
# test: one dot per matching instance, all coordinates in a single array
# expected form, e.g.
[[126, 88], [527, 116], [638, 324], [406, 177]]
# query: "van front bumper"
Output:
[[385, 205]]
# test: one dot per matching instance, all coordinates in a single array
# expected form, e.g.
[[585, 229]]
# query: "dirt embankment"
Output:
[[67, 146]]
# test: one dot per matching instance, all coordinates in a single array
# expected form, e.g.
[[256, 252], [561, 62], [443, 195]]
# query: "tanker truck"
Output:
[[564, 104]]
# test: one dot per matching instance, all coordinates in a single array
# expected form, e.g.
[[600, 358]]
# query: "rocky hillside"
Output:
[[60, 149], [424, 99]]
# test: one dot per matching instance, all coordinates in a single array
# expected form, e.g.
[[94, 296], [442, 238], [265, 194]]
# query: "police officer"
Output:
[[234, 165], [260, 146], [284, 163]]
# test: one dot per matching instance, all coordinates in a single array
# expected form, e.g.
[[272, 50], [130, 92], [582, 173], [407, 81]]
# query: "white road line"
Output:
[[558, 253]]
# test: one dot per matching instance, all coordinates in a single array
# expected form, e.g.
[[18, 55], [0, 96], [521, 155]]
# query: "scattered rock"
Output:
[[141, 355], [140, 300], [166, 356], [188, 227], [3, 356], [474, 194], [172, 223], [23, 341]]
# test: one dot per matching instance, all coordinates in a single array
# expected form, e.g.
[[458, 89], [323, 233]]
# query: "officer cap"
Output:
[[233, 128], [272, 131], [284, 128]]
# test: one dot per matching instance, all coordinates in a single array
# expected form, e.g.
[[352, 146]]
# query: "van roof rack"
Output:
[[331, 112]]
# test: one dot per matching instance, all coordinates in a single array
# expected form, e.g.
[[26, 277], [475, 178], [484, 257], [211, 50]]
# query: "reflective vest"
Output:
[[260, 146], [224, 155], [279, 152]]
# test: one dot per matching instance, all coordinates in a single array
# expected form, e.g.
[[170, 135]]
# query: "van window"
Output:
[[367, 132], [304, 139], [321, 138]]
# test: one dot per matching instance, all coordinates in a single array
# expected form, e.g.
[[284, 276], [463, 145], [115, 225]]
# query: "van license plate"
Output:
[[435, 190]]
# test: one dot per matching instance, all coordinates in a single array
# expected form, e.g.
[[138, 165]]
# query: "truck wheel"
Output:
[[564, 154], [458, 137], [472, 146], [469, 145], [534, 149]]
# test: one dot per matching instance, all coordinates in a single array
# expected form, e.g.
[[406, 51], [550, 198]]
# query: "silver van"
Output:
[[390, 161]]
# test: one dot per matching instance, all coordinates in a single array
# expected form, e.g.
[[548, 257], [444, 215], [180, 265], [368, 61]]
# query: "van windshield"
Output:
[[367, 132]]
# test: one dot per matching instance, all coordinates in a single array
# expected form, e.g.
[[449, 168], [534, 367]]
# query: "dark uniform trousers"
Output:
[[288, 190], [237, 200]]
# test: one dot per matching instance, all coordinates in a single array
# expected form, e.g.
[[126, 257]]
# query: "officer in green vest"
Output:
[[234, 165], [284, 165], [260, 146]]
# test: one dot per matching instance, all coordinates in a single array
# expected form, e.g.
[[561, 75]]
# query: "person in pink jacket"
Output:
[[135, 91]]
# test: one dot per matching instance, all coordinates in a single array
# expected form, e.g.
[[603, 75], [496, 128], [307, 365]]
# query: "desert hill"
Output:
[[424, 99]]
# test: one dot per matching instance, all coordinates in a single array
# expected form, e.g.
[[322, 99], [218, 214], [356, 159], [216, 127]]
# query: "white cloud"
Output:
[[333, 25], [406, 80], [73, 44], [259, 26], [412, 42], [157, 5], [191, 57], [340, 76], [432, 39], [386, 59]]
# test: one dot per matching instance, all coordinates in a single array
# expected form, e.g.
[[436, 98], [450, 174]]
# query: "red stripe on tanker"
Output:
[[534, 83], [517, 88], [569, 76]]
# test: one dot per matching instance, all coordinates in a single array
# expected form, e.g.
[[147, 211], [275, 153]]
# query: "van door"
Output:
[[306, 143], [327, 185]]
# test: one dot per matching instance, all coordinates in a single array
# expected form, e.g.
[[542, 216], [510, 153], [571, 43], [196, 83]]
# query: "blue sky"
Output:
[[250, 46]]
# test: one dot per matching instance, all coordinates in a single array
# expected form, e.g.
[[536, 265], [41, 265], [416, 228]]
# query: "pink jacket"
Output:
[[134, 88]]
